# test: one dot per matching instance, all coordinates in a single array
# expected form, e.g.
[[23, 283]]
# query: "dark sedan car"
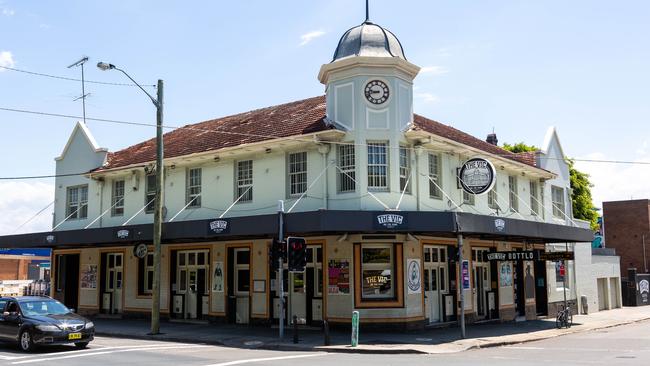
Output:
[[33, 321]]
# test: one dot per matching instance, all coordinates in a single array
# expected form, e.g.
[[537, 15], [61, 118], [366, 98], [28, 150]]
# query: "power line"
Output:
[[69, 79], [293, 138]]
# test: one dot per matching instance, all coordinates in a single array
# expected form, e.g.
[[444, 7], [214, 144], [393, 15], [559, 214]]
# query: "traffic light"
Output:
[[278, 250], [297, 254]]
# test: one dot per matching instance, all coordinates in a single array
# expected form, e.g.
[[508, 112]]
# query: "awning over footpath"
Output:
[[323, 222]]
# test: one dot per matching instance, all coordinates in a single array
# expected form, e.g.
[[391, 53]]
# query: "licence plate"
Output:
[[74, 336]]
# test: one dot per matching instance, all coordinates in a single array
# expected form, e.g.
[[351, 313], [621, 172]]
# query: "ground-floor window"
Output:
[[378, 274], [145, 274]]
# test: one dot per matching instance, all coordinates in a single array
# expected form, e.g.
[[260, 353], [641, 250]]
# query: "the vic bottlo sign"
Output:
[[477, 176]]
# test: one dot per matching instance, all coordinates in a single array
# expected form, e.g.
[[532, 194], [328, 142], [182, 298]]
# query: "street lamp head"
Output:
[[105, 66]]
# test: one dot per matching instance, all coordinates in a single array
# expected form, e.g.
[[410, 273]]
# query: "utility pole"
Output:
[[280, 265], [157, 219]]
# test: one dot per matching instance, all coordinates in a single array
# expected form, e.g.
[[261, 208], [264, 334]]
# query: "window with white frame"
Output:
[[193, 191], [245, 180], [77, 202], [150, 193], [404, 169], [492, 198], [534, 205], [558, 201], [346, 162], [541, 201], [117, 198], [377, 270], [378, 165], [145, 274], [512, 193], [468, 198], [297, 168], [435, 176]]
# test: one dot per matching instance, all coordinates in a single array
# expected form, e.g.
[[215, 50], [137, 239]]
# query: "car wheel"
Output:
[[81, 345], [26, 341]]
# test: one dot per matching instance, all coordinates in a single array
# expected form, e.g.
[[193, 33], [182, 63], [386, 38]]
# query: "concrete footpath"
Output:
[[432, 340]]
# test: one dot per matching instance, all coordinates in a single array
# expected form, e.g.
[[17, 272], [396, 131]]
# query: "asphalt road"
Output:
[[624, 345]]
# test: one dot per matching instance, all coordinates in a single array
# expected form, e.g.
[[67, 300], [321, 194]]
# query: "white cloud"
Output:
[[6, 59], [427, 97], [434, 70], [614, 182], [8, 12], [308, 37], [20, 201]]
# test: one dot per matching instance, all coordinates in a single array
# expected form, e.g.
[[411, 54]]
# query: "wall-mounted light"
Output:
[[216, 158], [268, 150]]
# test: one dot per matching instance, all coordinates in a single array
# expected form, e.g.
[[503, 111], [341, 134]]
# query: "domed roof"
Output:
[[368, 39]]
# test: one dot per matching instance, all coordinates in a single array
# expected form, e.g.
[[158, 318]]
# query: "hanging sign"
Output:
[[140, 250], [526, 255], [477, 176]]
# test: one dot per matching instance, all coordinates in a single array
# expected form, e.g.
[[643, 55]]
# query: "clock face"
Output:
[[376, 92]]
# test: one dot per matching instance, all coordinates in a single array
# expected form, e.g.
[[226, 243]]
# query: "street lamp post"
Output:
[[157, 219]]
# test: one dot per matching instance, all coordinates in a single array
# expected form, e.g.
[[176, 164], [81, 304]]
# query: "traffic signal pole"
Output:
[[280, 266]]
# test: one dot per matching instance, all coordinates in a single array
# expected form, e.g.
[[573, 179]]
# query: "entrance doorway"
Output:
[[67, 280], [481, 290], [111, 282], [303, 290], [435, 281], [191, 300], [541, 296], [239, 283]]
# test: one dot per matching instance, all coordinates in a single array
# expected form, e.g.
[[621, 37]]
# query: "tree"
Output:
[[581, 200]]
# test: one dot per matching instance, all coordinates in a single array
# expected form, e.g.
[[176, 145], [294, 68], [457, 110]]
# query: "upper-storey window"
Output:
[[493, 198], [378, 165], [404, 169], [346, 162], [150, 193], [435, 176], [245, 180], [193, 187], [512, 196], [558, 201], [117, 198], [468, 198], [297, 168], [534, 204], [77, 202]]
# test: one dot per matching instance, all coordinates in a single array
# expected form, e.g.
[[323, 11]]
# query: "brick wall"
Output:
[[13, 269], [625, 224]]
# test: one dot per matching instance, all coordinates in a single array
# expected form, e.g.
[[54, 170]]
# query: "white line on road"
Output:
[[522, 347], [91, 353], [251, 360]]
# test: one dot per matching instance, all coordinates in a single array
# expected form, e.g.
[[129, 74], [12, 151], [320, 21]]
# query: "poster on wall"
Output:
[[217, 277], [339, 277], [88, 278], [505, 274], [529, 280], [414, 276]]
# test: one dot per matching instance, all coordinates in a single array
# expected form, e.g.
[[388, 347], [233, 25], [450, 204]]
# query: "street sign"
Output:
[[556, 256]]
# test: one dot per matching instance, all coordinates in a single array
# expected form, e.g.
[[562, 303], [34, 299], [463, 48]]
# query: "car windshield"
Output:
[[43, 307]]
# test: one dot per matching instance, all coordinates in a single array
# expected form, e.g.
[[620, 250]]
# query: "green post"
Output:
[[355, 328]]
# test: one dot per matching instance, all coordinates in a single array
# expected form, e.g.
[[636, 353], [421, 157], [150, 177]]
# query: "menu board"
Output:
[[339, 277]]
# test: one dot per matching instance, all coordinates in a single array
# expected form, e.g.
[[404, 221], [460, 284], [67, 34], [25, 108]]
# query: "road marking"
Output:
[[103, 351], [252, 360], [523, 347]]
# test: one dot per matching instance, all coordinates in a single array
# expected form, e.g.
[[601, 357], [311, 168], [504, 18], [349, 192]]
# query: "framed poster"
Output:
[[217, 277], [88, 277], [464, 273], [414, 279], [338, 271]]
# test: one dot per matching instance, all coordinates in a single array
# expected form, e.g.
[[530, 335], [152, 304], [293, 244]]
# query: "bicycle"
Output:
[[564, 317]]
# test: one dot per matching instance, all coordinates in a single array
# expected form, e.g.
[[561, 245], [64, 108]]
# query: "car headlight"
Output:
[[48, 328], [89, 325]]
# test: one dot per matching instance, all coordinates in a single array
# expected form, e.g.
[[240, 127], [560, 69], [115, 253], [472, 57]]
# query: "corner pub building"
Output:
[[372, 187]]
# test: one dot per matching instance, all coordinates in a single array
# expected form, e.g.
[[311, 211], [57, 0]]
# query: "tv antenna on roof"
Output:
[[367, 12], [83, 84]]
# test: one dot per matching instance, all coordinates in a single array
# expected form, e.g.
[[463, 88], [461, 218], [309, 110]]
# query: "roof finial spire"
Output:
[[367, 12]]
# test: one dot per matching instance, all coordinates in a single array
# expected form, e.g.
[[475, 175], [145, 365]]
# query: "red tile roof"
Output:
[[442, 130], [290, 119]]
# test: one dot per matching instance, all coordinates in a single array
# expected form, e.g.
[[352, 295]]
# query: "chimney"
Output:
[[492, 139]]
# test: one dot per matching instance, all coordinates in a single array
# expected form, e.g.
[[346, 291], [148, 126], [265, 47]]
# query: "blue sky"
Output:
[[515, 66]]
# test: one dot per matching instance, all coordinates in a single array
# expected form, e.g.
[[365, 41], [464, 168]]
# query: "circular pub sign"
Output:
[[477, 176], [140, 250]]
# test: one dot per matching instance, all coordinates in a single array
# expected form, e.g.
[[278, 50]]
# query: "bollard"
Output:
[[355, 328], [295, 329], [326, 332]]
